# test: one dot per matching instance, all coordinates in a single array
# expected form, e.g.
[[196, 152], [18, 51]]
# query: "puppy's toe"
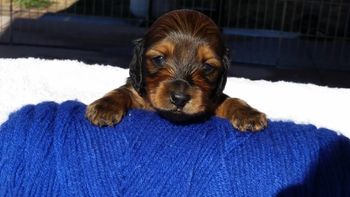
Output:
[[102, 113], [249, 119]]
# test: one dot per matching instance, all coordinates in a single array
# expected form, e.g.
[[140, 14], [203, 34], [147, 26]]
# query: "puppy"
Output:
[[179, 69]]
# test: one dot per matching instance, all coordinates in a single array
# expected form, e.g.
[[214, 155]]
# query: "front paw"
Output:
[[105, 112], [248, 118]]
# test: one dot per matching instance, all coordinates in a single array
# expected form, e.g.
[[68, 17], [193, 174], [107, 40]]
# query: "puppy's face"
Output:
[[183, 65]]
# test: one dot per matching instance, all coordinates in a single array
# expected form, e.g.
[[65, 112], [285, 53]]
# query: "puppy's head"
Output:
[[180, 65]]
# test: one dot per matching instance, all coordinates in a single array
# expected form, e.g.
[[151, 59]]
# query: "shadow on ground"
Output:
[[101, 40]]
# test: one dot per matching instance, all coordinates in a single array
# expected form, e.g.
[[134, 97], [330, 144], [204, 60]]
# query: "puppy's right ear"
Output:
[[226, 65], [135, 66]]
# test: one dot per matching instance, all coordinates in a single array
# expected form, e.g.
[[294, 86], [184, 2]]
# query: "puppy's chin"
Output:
[[179, 117]]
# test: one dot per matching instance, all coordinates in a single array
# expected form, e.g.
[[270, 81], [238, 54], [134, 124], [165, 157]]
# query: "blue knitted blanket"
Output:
[[51, 149]]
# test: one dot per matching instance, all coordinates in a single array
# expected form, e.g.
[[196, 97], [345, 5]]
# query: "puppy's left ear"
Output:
[[226, 65], [136, 71]]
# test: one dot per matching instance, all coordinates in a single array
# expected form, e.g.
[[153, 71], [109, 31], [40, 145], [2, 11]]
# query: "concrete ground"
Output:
[[109, 42]]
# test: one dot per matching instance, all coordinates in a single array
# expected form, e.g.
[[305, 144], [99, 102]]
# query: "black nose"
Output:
[[179, 99]]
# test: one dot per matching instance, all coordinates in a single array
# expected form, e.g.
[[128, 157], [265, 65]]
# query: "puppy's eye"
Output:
[[159, 60], [208, 68]]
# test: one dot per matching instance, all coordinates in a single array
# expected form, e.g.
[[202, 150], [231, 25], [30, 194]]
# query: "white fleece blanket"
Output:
[[30, 81]]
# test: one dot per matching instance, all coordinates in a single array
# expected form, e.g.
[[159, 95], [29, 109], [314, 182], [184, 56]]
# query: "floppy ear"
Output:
[[226, 65], [135, 66]]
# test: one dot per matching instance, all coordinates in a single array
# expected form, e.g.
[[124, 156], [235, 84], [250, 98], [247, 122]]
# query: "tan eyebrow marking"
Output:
[[165, 48], [206, 54]]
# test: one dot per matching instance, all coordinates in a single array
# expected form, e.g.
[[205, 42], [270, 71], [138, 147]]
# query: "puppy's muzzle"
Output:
[[178, 94]]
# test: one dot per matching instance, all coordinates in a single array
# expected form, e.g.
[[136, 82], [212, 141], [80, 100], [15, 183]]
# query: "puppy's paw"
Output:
[[105, 112], [248, 119], [242, 116]]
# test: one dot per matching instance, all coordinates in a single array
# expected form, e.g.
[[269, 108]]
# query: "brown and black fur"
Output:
[[179, 69]]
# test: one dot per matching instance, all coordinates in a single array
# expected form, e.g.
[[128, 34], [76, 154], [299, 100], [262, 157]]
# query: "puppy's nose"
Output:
[[179, 99]]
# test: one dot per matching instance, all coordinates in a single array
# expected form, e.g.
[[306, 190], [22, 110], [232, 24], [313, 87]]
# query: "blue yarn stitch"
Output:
[[50, 149]]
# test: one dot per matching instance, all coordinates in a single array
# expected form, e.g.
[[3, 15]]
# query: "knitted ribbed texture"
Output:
[[51, 149]]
